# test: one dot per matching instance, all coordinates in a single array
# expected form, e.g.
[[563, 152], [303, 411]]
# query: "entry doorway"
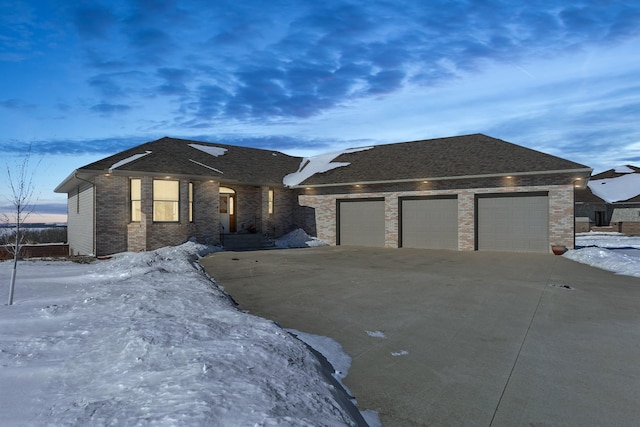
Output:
[[227, 210]]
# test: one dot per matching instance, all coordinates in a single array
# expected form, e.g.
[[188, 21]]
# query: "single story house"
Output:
[[610, 202], [471, 192]]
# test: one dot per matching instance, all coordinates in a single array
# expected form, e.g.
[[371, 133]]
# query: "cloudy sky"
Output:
[[82, 80]]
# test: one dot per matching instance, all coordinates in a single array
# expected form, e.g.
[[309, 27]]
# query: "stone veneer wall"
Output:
[[561, 198]]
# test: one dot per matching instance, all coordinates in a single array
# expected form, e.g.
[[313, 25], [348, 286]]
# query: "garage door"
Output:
[[513, 222], [429, 223], [361, 222]]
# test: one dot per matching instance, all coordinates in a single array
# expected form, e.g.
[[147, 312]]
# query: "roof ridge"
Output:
[[187, 141]]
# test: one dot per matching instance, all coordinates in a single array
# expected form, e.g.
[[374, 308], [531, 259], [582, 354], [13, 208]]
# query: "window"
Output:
[[136, 198], [166, 201], [191, 202], [271, 198]]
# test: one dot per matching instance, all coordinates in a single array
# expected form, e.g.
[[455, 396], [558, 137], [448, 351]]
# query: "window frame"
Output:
[[190, 201], [271, 198], [133, 200], [175, 202]]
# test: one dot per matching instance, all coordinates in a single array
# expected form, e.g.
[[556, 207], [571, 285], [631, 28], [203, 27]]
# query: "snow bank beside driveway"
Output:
[[607, 240], [609, 251], [148, 339]]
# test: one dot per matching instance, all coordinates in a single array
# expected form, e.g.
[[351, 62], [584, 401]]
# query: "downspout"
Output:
[[574, 215]]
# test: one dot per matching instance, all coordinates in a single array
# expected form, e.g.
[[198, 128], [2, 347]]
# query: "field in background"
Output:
[[39, 240]]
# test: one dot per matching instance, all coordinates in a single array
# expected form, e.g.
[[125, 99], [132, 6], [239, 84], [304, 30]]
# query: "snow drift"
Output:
[[298, 239], [614, 252], [149, 339]]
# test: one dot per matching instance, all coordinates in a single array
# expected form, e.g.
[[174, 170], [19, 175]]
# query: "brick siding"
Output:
[[630, 228], [206, 208], [116, 233], [314, 210], [561, 195], [111, 214], [285, 217]]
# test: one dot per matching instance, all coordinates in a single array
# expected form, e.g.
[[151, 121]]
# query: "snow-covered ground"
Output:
[[149, 339], [609, 251]]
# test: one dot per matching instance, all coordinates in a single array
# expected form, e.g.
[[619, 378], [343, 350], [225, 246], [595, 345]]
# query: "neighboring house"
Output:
[[468, 192], [611, 201]]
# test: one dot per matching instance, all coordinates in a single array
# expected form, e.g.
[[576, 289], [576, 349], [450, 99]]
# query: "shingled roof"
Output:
[[453, 157], [179, 157]]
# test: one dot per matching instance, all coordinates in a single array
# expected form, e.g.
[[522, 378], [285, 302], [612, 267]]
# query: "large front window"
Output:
[[166, 201]]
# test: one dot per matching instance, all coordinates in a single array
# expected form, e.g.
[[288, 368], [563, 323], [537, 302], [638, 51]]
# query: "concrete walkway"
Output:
[[486, 339]]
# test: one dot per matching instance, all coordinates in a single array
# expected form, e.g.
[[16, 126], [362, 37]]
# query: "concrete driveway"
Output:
[[472, 338]]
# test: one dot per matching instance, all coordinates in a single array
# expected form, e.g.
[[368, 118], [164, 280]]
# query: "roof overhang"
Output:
[[582, 174], [77, 178], [84, 176]]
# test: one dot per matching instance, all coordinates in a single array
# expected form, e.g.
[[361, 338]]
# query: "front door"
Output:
[[227, 213]]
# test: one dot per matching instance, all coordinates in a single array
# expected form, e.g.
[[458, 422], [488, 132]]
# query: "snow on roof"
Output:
[[214, 151], [624, 169], [310, 166], [206, 166], [616, 189], [128, 160]]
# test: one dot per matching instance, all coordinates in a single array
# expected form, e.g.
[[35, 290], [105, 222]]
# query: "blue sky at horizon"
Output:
[[83, 80]]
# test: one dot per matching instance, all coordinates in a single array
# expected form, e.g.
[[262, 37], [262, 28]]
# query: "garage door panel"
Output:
[[519, 224], [430, 223], [361, 223]]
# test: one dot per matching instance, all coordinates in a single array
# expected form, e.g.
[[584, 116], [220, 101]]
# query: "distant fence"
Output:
[[53, 250]]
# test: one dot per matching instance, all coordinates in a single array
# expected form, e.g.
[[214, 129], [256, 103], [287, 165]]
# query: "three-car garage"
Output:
[[517, 222]]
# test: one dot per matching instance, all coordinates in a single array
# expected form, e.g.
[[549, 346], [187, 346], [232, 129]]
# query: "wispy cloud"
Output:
[[195, 66], [17, 104], [301, 61], [109, 146], [71, 147], [107, 109], [94, 21]]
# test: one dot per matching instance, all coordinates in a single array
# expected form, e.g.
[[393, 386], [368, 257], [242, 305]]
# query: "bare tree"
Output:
[[20, 179]]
